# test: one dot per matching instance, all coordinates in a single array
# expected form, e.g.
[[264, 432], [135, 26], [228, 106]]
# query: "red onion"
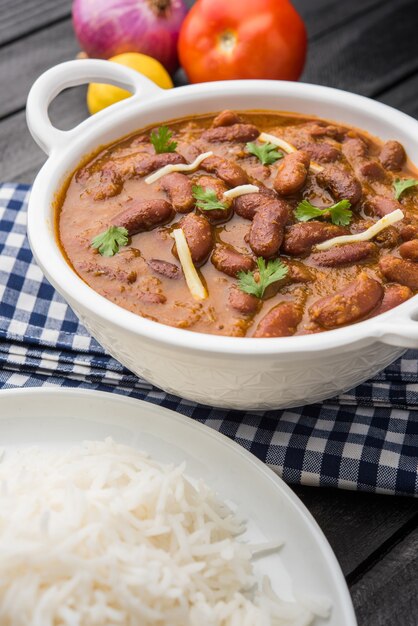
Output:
[[105, 28]]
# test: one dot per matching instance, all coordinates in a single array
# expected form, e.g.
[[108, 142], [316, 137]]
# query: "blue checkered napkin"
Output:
[[365, 439]]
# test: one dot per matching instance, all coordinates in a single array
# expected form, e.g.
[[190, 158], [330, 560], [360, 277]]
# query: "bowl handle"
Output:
[[399, 329], [70, 74]]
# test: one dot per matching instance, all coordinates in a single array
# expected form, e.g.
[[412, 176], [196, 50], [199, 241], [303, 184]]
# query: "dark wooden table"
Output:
[[365, 46]]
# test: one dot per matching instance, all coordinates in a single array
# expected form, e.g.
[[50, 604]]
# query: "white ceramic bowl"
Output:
[[239, 373]]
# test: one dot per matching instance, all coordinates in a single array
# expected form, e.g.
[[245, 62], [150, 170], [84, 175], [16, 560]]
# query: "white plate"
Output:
[[58, 417]]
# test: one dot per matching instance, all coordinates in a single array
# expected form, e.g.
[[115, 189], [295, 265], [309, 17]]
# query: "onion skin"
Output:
[[106, 28]]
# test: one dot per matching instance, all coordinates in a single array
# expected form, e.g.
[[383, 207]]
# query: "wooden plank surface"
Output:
[[379, 48], [19, 17], [322, 16], [386, 595], [356, 524], [403, 96], [27, 58], [20, 157]]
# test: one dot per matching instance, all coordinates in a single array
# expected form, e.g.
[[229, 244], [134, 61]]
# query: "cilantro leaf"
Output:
[[160, 139], [267, 153], [339, 213], [110, 240], [206, 199], [268, 274], [401, 184], [306, 211]]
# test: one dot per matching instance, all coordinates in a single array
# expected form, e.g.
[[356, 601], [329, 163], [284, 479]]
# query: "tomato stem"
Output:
[[227, 40]]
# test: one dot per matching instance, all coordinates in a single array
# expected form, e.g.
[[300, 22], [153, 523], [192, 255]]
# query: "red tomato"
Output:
[[229, 39]]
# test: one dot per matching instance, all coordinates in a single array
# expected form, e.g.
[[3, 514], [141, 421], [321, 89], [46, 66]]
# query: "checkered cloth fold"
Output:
[[364, 439]]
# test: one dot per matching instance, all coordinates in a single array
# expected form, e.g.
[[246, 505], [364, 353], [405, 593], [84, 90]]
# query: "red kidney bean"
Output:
[[142, 164], [372, 171], [298, 272], [114, 273], [236, 132], [226, 118], [179, 189], [394, 295], [360, 226], [247, 205], [273, 289], [354, 149], [229, 261], [320, 129], [199, 237], [144, 215], [345, 255], [388, 238], [300, 238], [152, 298], [349, 305], [215, 184], [257, 171], [341, 184], [292, 173], [169, 270], [228, 171], [110, 184], [139, 139], [156, 161], [409, 250], [356, 152], [408, 232], [400, 271], [216, 216], [281, 321], [266, 232], [321, 152], [245, 303], [392, 155], [381, 206]]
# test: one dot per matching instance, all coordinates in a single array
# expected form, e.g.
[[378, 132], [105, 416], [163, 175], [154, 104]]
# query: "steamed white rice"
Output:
[[104, 536]]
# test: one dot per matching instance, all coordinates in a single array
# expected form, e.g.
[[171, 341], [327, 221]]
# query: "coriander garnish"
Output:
[[206, 199], [267, 153], [160, 139], [267, 275], [110, 241], [401, 184], [339, 212]]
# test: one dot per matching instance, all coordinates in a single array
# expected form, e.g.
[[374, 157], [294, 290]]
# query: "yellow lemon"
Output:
[[100, 96]]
